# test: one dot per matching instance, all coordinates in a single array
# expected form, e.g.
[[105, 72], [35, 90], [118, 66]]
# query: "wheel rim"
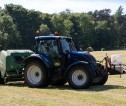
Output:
[[79, 77], [34, 74]]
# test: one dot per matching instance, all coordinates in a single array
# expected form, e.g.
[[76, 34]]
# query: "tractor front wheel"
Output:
[[79, 77], [35, 75]]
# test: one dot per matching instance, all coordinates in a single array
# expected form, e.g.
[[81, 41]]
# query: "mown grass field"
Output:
[[113, 93]]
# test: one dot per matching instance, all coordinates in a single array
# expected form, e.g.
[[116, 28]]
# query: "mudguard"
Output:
[[39, 57], [84, 63]]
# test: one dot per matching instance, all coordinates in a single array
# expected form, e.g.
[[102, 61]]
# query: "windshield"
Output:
[[68, 45]]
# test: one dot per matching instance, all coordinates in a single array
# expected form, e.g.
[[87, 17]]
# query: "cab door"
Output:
[[50, 49]]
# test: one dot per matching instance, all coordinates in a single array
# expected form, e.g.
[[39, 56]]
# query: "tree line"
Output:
[[97, 29]]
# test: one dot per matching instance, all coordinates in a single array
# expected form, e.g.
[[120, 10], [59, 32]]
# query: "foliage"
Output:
[[9, 36], [44, 30], [89, 49], [27, 21], [98, 29]]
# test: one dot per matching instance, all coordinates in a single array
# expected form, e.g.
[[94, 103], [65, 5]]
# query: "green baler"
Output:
[[11, 64]]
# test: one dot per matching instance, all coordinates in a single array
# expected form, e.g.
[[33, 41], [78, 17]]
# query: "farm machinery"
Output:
[[114, 65], [11, 65], [56, 61]]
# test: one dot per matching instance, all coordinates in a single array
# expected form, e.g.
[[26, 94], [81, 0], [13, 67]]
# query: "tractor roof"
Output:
[[51, 37]]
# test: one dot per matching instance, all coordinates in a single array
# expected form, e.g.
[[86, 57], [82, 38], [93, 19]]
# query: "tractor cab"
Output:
[[49, 49], [54, 48]]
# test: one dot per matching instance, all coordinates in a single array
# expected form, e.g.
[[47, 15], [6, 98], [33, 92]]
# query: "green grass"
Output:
[[113, 93]]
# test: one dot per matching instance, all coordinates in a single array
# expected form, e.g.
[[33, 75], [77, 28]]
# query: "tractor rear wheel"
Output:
[[35, 75], [79, 77]]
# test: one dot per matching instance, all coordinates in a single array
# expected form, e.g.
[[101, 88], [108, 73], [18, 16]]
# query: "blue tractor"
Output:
[[57, 61]]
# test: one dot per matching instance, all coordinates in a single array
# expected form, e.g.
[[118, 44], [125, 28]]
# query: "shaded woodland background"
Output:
[[97, 29]]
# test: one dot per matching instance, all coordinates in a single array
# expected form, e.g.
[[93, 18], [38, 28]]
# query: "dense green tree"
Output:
[[82, 29], [9, 36], [46, 20], [87, 28], [57, 23], [120, 26], [101, 15], [76, 31], [98, 29], [67, 27], [103, 37], [44, 30], [27, 21]]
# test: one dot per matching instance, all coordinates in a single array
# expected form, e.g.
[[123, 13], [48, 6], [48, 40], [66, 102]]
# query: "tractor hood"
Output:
[[82, 56]]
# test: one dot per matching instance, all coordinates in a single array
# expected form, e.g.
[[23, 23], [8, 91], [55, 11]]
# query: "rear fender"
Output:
[[37, 57]]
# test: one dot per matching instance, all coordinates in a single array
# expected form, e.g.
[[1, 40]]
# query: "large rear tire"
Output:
[[79, 77], [35, 75]]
